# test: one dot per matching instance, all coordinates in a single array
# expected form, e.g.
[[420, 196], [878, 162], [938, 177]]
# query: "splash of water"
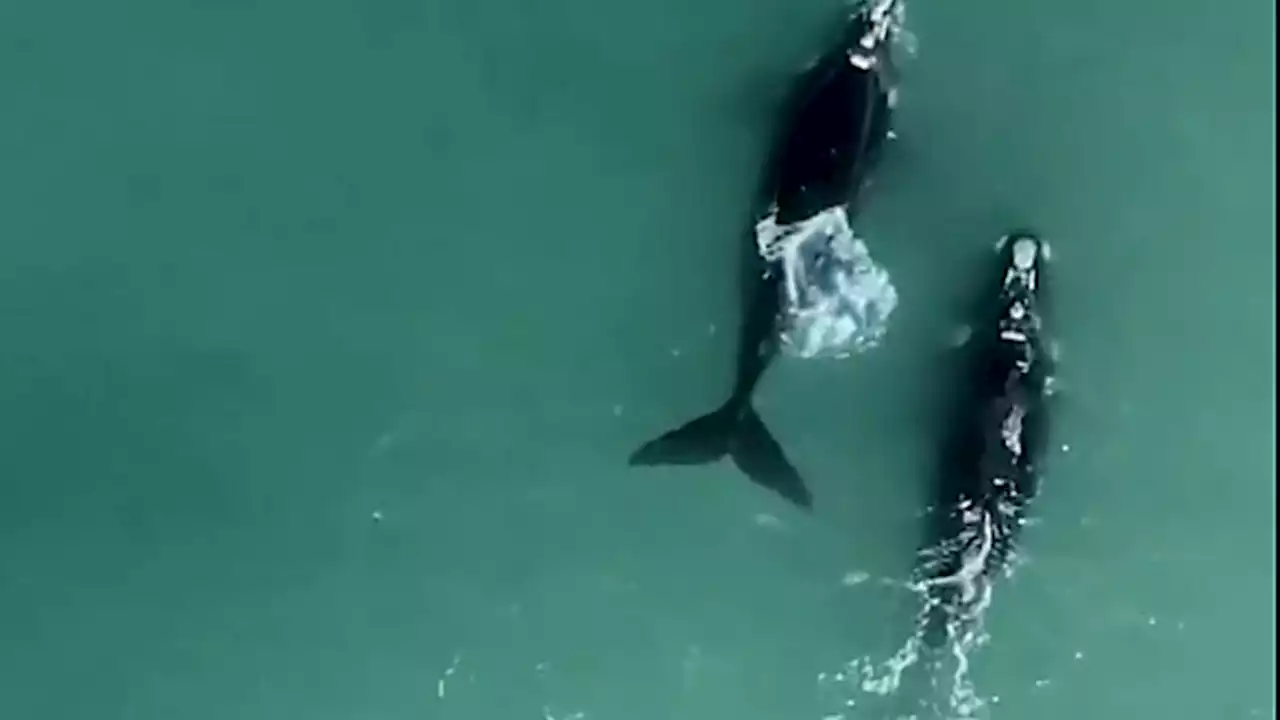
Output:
[[835, 299], [934, 682]]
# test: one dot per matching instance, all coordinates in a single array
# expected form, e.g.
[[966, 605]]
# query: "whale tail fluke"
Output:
[[735, 430]]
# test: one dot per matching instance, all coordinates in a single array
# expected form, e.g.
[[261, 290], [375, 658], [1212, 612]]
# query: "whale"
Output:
[[810, 286], [997, 429]]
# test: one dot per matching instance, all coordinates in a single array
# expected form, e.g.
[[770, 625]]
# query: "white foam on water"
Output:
[[951, 693], [548, 715], [836, 300], [442, 683], [854, 577]]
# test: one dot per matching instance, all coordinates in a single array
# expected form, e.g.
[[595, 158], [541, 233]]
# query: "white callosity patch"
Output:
[[1016, 314], [1021, 323], [1011, 429], [1024, 254], [1022, 269], [835, 299], [887, 20]]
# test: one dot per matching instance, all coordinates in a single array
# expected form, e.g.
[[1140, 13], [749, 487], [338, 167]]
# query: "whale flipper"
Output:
[[736, 431]]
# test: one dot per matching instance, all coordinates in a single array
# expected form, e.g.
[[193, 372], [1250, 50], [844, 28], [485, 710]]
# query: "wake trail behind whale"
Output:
[[929, 673]]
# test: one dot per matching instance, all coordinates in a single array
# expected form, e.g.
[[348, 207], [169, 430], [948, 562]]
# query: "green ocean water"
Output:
[[328, 327]]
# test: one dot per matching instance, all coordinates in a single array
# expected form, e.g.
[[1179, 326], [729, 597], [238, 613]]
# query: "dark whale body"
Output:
[[830, 139], [997, 436]]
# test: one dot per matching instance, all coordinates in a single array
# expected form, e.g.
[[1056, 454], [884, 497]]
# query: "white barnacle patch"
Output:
[[1007, 509], [885, 15], [1011, 429], [885, 19], [1022, 268], [1024, 254], [862, 61]]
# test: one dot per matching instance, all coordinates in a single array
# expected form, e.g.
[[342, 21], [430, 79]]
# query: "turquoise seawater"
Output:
[[328, 328]]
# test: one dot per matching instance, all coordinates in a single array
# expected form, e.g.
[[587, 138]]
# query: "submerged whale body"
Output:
[[998, 432], [811, 287]]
